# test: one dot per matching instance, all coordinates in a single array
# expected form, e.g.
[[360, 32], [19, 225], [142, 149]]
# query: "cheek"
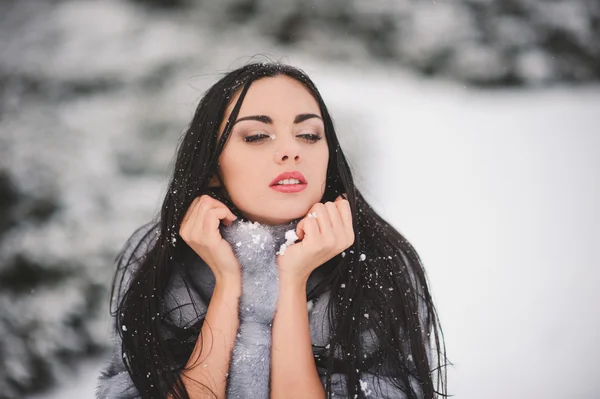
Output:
[[320, 163], [323, 162], [239, 172]]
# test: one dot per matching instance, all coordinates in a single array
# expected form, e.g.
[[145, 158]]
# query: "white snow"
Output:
[[290, 236], [282, 249], [497, 190], [364, 386], [290, 239], [309, 305]]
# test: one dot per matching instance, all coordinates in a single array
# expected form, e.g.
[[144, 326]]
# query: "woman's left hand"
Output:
[[325, 232]]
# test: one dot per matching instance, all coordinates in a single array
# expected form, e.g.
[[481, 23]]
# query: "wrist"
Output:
[[228, 284], [291, 283]]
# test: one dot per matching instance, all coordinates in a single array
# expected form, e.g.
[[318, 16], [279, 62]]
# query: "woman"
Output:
[[267, 273]]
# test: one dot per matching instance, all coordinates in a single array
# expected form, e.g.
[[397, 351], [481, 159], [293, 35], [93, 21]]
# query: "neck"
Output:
[[246, 238]]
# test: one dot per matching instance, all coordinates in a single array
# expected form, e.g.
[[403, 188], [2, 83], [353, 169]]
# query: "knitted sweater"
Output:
[[256, 246]]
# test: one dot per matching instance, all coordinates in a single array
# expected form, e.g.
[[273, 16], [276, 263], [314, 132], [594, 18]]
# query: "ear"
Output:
[[214, 182]]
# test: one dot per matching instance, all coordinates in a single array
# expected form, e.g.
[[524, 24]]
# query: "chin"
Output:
[[291, 213], [277, 212], [275, 218], [282, 218]]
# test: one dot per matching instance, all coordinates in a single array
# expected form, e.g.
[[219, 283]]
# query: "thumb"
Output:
[[229, 219], [300, 230]]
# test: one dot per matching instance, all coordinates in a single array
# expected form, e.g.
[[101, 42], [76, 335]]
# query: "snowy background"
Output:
[[472, 126]]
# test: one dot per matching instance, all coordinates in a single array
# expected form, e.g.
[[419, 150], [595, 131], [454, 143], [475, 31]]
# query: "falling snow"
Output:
[[436, 93]]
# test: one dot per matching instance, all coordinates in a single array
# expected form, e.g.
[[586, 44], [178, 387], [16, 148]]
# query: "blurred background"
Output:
[[471, 125]]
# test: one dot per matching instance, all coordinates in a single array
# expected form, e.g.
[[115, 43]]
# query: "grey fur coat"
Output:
[[256, 247]]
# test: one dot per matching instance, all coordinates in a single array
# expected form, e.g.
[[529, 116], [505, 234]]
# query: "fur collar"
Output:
[[256, 246], [188, 295]]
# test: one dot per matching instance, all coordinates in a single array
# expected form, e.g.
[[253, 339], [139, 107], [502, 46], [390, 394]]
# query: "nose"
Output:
[[287, 149]]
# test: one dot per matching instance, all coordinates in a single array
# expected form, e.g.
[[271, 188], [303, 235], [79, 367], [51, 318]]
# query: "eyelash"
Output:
[[311, 138]]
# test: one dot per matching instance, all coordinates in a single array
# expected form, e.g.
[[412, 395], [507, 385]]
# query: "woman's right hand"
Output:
[[200, 230]]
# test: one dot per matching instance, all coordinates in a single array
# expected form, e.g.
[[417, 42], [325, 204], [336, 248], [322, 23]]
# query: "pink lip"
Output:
[[289, 175], [289, 188]]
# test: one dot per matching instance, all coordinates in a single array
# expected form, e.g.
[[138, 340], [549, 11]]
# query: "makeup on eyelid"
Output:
[[278, 129], [254, 138]]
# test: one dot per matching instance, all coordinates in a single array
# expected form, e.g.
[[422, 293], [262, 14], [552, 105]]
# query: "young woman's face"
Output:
[[278, 129]]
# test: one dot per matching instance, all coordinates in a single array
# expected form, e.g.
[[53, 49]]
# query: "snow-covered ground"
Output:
[[499, 192]]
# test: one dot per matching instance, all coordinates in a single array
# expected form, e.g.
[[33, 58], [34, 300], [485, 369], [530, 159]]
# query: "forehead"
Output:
[[275, 96]]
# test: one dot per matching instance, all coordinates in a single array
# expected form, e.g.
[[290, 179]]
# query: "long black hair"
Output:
[[380, 275]]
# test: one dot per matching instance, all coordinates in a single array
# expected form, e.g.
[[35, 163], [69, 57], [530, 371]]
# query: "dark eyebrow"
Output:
[[267, 120], [260, 118], [302, 117]]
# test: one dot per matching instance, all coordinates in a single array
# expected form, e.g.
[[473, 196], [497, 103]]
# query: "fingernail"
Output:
[[344, 196]]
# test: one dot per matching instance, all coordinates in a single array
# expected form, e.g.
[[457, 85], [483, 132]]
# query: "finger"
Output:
[[324, 222], [346, 216], [311, 229], [341, 199], [190, 216], [213, 219], [224, 214], [205, 204], [230, 216], [300, 229], [335, 218], [345, 211], [337, 225]]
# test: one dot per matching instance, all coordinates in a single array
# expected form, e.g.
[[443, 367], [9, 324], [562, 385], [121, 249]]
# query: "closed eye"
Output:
[[311, 138], [256, 138]]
